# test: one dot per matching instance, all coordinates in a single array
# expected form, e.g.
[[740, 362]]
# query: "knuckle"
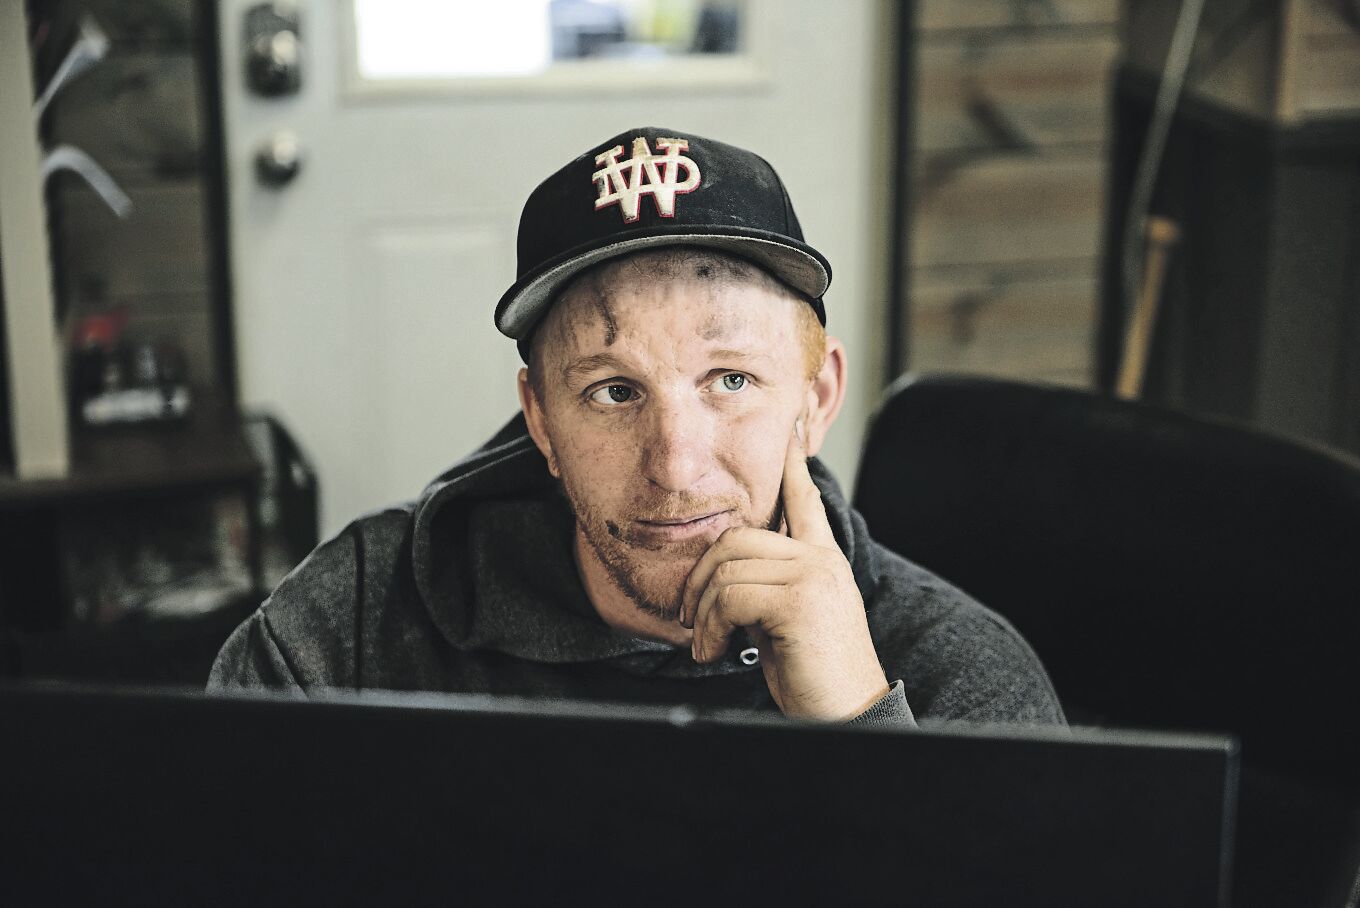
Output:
[[727, 597], [829, 573], [832, 562]]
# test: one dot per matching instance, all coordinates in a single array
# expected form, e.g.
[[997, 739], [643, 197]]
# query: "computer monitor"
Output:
[[161, 797]]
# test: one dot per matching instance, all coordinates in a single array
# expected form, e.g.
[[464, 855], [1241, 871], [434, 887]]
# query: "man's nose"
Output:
[[678, 447]]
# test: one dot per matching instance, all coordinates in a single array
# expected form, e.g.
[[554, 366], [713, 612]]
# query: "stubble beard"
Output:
[[653, 575]]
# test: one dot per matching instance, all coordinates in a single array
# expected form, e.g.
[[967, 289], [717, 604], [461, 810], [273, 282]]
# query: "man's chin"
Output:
[[665, 577], [655, 584], [687, 551]]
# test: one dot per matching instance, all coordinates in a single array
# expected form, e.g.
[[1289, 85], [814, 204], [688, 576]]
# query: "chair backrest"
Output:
[[1171, 572]]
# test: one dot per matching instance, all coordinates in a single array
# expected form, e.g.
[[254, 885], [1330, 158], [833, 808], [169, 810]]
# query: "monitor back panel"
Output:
[[158, 798]]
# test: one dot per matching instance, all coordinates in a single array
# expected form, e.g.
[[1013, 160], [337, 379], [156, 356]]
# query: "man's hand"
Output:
[[797, 598]]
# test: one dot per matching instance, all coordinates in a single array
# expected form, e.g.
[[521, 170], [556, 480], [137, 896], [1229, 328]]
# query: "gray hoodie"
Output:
[[473, 588]]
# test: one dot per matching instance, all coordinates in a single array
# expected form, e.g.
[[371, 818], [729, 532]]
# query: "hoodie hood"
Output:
[[492, 552]]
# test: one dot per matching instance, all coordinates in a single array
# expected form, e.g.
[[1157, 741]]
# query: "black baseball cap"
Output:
[[644, 189]]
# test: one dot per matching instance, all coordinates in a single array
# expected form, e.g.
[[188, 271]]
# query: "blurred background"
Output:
[[251, 264]]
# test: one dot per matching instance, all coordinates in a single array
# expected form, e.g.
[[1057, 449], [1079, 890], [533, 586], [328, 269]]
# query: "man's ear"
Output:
[[825, 395], [534, 418]]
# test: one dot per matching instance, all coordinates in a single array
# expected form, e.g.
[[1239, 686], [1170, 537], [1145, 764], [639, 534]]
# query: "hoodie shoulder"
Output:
[[365, 591], [307, 633]]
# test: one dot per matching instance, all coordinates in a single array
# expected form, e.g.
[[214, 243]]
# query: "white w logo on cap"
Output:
[[625, 183]]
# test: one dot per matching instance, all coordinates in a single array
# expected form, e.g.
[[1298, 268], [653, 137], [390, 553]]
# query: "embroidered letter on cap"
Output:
[[625, 183]]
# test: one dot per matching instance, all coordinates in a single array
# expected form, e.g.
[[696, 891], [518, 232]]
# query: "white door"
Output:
[[364, 287]]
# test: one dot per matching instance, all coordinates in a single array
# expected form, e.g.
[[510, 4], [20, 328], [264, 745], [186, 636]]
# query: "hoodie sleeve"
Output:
[[957, 659], [893, 711]]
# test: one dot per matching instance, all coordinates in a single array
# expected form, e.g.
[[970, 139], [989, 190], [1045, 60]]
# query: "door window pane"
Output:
[[480, 39]]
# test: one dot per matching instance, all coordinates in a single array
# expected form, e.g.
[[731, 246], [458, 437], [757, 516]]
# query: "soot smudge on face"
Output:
[[611, 328], [613, 529], [713, 329], [589, 289]]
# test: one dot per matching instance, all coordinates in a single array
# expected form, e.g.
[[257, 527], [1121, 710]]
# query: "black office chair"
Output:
[[1171, 572]]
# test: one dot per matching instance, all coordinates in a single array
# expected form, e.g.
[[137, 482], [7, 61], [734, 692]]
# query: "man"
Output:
[[654, 527]]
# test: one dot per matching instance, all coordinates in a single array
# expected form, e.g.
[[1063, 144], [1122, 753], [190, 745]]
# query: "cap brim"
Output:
[[798, 265]]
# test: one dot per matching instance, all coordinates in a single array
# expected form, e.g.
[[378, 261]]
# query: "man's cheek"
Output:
[[596, 466], [759, 479], [749, 432]]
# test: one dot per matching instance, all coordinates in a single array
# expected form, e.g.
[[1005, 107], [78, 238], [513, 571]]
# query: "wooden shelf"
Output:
[[208, 450]]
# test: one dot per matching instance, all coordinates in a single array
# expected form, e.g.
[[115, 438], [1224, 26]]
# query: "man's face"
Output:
[[668, 404]]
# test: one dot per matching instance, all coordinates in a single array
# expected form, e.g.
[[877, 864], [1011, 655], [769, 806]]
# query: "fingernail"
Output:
[[694, 650]]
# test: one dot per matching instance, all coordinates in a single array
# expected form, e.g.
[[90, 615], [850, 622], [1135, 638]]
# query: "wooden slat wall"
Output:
[[1010, 210], [1329, 77], [1007, 186], [978, 322], [941, 15], [1288, 60], [1051, 87]]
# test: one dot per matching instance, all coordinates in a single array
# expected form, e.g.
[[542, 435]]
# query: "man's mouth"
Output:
[[674, 528]]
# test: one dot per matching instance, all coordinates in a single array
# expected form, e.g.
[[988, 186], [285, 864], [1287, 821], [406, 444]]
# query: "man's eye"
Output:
[[613, 394], [730, 383]]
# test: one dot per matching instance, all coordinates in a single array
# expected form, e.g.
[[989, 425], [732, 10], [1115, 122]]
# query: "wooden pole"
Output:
[[1162, 236]]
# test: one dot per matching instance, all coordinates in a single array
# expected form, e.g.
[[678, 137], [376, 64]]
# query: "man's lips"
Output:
[[681, 527]]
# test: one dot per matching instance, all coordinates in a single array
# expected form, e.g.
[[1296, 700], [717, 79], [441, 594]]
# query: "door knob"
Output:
[[278, 160]]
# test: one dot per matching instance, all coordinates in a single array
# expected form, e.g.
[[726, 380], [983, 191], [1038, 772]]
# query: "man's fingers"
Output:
[[737, 605], [803, 508], [762, 571], [735, 543]]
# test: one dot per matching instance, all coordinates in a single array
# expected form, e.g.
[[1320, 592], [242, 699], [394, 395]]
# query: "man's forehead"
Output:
[[723, 318], [720, 325], [636, 351], [647, 340]]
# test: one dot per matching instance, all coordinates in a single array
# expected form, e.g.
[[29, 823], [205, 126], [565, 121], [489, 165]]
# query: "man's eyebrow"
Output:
[[579, 369], [588, 364], [738, 354]]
